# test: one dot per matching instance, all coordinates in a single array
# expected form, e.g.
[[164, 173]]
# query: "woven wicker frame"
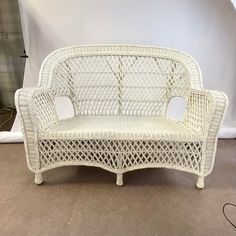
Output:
[[115, 90]]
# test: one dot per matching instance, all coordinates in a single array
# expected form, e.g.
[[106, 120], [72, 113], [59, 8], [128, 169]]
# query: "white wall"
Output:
[[204, 28]]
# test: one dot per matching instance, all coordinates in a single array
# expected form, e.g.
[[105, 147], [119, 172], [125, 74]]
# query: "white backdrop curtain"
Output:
[[205, 29]]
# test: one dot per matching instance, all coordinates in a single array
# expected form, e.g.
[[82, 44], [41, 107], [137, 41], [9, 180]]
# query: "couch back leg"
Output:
[[200, 182]]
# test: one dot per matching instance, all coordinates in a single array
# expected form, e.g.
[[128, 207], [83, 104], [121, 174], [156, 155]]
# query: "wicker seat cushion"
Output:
[[120, 127]]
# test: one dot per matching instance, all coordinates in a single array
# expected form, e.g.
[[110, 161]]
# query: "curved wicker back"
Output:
[[120, 79]]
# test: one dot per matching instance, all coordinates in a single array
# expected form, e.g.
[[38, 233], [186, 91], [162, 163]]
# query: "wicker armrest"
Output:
[[220, 101], [205, 110], [36, 111], [36, 106]]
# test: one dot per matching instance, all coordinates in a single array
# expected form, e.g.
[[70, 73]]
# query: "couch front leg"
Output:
[[38, 178], [200, 182], [119, 179]]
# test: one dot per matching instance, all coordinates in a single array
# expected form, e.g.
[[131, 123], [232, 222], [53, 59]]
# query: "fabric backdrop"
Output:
[[206, 29]]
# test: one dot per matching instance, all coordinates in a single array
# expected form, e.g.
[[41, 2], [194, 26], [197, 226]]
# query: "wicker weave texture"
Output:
[[120, 96]]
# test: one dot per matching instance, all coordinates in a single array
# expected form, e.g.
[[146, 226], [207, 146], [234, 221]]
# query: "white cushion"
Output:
[[120, 127]]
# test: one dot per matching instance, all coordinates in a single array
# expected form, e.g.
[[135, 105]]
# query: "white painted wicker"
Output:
[[120, 95]]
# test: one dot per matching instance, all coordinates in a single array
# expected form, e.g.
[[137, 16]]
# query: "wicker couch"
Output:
[[120, 96]]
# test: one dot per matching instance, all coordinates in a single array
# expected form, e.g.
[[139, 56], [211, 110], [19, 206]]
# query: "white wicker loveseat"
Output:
[[120, 96]]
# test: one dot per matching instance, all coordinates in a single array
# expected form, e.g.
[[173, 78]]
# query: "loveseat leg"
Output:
[[38, 178], [119, 179], [200, 182]]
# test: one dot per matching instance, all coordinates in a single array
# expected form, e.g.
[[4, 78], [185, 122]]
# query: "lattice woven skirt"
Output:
[[120, 156]]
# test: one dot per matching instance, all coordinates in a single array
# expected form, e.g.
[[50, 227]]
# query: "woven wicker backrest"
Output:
[[120, 80]]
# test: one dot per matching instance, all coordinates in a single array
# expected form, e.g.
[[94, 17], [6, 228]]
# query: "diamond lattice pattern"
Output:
[[120, 84], [121, 155]]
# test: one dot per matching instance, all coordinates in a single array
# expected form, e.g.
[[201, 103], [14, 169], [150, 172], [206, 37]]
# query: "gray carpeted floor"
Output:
[[86, 201]]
